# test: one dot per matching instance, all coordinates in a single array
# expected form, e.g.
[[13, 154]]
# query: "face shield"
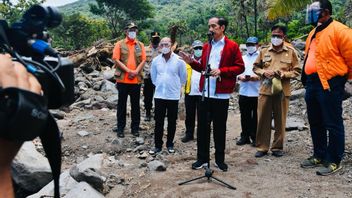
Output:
[[313, 13]]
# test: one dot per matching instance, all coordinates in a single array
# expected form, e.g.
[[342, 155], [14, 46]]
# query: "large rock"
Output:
[[83, 190], [30, 169], [109, 74], [89, 171], [108, 86], [156, 166], [66, 184], [294, 123], [296, 94]]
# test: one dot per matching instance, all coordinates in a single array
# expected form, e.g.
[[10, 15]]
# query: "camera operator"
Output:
[[12, 74]]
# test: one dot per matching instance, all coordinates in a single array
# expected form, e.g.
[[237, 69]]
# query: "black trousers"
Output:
[[212, 110], [161, 108], [125, 90], [148, 92], [192, 107], [248, 109]]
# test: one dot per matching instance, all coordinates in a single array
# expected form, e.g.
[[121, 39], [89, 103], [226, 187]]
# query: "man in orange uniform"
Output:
[[327, 66], [129, 55]]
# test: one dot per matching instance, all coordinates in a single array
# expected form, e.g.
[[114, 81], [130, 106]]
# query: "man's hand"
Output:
[[186, 57], [215, 72], [269, 74], [242, 78], [13, 74]]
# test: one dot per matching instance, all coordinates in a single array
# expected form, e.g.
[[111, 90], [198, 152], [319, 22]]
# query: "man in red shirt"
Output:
[[224, 64]]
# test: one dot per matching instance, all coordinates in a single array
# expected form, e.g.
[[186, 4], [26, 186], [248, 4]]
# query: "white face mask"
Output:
[[276, 41], [198, 53], [251, 49], [165, 50], [132, 35]]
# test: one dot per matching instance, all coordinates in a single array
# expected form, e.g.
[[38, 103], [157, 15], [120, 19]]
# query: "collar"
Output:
[[323, 25], [284, 48], [255, 53], [222, 41], [171, 55], [128, 41]]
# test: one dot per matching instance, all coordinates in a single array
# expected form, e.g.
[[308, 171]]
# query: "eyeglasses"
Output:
[[198, 48]]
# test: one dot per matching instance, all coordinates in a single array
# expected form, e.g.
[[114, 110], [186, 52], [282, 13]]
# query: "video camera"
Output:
[[27, 42]]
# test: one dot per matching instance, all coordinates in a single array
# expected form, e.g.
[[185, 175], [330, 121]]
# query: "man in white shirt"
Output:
[[168, 73], [192, 93], [249, 92]]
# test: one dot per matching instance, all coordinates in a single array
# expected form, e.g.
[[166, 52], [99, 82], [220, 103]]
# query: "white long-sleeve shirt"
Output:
[[214, 62], [249, 88], [168, 76]]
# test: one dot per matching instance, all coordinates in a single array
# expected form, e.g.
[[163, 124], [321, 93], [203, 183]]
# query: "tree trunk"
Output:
[[245, 17], [255, 18]]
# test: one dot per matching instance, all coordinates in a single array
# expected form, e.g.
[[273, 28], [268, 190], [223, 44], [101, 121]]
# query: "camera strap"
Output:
[[51, 142]]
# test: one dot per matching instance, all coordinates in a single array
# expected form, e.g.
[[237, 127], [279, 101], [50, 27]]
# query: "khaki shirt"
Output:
[[285, 61], [150, 53]]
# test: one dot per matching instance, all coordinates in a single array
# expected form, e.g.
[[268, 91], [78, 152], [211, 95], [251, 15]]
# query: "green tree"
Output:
[[281, 8], [117, 12], [13, 11], [78, 31]]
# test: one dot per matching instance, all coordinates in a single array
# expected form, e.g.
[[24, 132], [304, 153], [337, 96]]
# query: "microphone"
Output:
[[210, 35]]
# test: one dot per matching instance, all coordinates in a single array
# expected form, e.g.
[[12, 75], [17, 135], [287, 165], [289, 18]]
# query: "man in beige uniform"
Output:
[[148, 90], [276, 65]]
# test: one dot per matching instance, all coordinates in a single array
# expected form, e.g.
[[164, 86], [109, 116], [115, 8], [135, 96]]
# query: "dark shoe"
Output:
[[329, 169], [199, 164], [253, 143], [120, 134], [171, 149], [278, 153], [148, 116], [186, 139], [222, 166], [311, 162], [243, 141], [154, 151], [135, 133], [260, 154]]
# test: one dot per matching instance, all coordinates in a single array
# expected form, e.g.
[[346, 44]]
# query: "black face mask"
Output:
[[155, 41]]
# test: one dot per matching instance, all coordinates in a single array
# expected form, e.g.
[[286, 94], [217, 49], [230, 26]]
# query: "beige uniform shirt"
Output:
[[285, 61], [150, 53]]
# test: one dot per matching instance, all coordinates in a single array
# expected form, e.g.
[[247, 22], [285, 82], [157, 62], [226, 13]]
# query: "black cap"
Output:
[[131, 25], [155, 34]]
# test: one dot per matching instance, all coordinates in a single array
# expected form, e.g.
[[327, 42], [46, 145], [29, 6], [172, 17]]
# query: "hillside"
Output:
[[81, 6]]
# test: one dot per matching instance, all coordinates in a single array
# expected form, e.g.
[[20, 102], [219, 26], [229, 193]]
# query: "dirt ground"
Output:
[[265, 177]]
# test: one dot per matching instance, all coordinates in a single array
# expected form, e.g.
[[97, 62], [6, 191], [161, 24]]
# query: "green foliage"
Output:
[[118, 12], [190, 17], [78, 31], [12, 12]]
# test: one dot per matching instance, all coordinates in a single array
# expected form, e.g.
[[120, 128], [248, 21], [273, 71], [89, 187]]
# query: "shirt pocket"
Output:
[[285, 64]]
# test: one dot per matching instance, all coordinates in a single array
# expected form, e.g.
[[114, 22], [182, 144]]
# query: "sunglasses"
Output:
[[197, 48]]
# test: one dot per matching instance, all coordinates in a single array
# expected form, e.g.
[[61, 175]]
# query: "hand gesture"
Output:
[[185, 56]]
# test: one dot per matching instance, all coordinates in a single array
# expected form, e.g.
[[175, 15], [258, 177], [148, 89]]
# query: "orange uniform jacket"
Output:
[[333, 52]]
